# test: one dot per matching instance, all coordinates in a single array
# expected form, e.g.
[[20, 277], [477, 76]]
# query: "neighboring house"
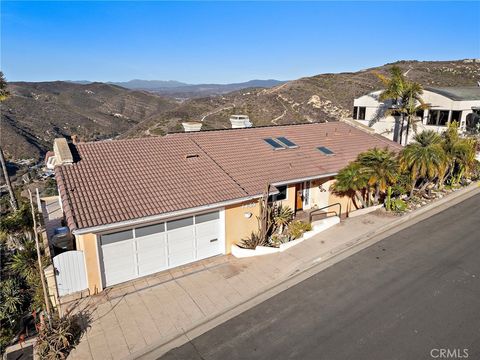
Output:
[[140, 206], [460, 104]]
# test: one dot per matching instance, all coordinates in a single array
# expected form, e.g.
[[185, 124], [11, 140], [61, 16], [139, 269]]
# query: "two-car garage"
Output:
[[144, 250]]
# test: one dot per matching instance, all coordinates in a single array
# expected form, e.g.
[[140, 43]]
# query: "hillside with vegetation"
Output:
[[36, 113], [324, 97]]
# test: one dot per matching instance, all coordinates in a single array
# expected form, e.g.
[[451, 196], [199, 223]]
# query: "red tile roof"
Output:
[[244, 155], [122, 180]]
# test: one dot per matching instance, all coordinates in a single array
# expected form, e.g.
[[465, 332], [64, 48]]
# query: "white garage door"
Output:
[[145, 250]]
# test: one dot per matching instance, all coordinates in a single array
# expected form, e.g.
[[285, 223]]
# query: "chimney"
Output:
[[240, 121], [62, 152], [190, 126], [75, 139]]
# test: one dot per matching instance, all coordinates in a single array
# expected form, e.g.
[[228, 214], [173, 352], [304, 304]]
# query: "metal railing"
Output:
[[339, 214]]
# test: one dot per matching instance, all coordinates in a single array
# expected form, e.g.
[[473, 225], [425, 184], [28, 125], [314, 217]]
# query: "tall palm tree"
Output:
[[424, 158], [351, 181], [412, 103], [406, 98], [395, 86], [380, 166]]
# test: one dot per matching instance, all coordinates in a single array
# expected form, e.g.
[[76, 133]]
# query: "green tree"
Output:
[[380, 166], [460, 154], [406, 99], [24, 262], [12, 300], [424, 158], [411, 104], [351, 181], [395, 86], [4, 93]]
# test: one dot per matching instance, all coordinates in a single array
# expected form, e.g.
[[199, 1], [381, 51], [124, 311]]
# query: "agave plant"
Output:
[[282, 216], [57, 339], [252, 241]]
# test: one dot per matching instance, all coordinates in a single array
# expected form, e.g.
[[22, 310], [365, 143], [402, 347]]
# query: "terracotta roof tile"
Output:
[[128, 179]]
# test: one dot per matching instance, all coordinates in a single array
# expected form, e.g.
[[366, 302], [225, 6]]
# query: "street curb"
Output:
[[156, 350], [418, 214]]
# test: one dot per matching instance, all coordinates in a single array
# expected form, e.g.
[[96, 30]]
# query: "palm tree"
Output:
[[406, 98], [380, 166], [395, 86], [412, 103], [460, 153], [424, 158], [24, 262], [351, 181]]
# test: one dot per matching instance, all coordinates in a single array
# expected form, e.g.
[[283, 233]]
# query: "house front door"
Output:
[[299, 197]]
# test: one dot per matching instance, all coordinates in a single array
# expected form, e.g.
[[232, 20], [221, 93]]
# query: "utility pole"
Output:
[[13, 200], [42, 276]]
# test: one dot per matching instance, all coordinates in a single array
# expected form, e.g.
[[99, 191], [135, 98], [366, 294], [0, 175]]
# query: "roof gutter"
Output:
[[147, 219], [308, 178]]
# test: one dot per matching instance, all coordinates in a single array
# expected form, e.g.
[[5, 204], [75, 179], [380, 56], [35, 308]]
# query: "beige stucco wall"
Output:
[[88, 244], [237, 226], [346, 202], [319, 195], [291, 198]]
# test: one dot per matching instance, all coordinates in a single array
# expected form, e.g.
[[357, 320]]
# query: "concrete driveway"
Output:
[[128, 318]]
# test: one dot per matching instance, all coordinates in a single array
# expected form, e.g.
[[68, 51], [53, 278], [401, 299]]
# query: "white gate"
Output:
[[70, 272]]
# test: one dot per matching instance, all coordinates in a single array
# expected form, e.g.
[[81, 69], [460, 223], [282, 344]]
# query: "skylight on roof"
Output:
[[325, 151], [283, 140], [274, 144]]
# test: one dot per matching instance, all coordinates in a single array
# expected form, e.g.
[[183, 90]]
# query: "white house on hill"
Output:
[[461, 104]]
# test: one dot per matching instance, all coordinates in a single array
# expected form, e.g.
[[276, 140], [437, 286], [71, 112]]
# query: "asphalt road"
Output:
[[407, 297]]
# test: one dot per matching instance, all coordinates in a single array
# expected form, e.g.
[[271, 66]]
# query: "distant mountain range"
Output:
[[183, 90], [36, 113]]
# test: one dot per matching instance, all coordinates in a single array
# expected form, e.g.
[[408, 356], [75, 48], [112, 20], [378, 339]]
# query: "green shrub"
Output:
[[297, 228], [398, 205], [18, 221], [278, 239]]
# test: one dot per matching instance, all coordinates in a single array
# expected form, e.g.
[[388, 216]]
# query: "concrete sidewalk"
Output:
[[128, 320]]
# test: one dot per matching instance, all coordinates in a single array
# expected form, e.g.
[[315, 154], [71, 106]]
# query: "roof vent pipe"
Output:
[[192, 126], [240, 121]]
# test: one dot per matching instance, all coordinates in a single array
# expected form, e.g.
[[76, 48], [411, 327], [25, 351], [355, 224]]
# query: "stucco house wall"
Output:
[[240, 221], [386, 126], [88, 243]]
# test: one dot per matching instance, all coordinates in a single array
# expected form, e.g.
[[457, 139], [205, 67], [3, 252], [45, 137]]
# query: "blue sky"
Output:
[[222, 42]]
